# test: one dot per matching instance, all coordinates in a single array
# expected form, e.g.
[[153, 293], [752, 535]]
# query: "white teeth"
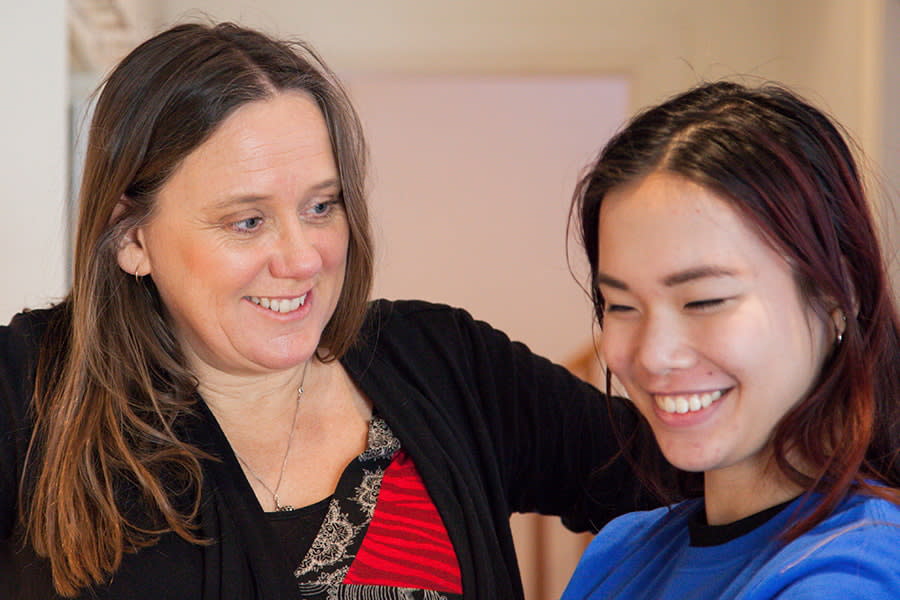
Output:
[[694, 402], [279, 305], [685, 404]]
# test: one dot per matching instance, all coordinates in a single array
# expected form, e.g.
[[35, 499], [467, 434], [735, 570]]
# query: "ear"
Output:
[[839, 320], [131, 253], [848, 281]]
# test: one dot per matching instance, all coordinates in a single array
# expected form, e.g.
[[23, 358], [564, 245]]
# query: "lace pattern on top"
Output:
[[323, 572]]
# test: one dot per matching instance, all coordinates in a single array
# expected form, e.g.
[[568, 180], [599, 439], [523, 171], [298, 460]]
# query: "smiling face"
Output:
[[247, 244], [704, 324]]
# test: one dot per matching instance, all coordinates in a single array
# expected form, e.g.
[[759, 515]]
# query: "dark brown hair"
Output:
[[785, 167], [111, 385]]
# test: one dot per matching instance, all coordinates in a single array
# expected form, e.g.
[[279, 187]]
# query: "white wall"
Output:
[[32, 154]]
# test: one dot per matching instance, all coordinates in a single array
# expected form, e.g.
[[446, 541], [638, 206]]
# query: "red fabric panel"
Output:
[[406, 544]]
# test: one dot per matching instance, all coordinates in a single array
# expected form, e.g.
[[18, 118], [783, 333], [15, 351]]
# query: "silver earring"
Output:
[[840, 333]]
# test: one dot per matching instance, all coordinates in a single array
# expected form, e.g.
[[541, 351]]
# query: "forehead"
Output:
[[663, 223], [284, 136]]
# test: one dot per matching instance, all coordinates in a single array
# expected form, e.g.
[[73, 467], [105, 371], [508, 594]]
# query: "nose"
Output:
[[295, 255], [663, 346]]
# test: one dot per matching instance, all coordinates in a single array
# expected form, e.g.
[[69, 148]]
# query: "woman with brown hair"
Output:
[[216, 410], [745, 307]]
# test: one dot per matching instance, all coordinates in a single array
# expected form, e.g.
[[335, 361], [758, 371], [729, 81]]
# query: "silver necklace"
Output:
[[279, 507]]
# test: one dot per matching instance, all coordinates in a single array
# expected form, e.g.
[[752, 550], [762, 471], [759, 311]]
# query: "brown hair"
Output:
[[111, 385], [786, 168]]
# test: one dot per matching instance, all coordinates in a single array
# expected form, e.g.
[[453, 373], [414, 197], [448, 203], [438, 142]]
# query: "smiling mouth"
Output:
[[684, 403], [279, 305]]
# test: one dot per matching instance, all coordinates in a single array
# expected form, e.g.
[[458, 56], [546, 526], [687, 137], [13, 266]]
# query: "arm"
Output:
[[532, 431], [854, 560], [556, 433], [18, 353], [10, 423]]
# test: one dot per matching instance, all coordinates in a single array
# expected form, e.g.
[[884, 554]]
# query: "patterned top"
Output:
[[381, 537]]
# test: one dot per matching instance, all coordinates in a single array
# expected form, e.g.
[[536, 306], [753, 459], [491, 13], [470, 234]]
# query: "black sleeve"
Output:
[[533, 432], [19, 343], [12, 375], [556, 434]]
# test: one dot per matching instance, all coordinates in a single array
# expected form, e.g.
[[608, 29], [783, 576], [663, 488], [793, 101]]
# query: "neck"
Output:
[[734, 493], [243, 397]]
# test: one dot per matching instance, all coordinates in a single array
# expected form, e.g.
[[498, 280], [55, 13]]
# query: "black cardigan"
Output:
[[492, 428]]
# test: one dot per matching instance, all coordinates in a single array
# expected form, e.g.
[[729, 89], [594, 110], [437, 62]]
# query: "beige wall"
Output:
[[823, 46], [841, 53], [833, 51], [890, 128]]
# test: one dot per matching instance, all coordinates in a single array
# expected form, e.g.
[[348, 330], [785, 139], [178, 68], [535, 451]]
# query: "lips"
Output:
[[685, 403], [279, 305]]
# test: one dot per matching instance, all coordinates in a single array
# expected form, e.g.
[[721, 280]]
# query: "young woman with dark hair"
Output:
[[745, 307]]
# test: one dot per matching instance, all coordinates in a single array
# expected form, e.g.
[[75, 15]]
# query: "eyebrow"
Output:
[[250, 199], [674, 279]]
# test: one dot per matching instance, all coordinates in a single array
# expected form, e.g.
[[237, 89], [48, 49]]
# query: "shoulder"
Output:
[[636, 529], [858, 520], [20, 342], [396, 314], [420, 328], [628, 543], [19, 345], [26, 328], [853, 553]]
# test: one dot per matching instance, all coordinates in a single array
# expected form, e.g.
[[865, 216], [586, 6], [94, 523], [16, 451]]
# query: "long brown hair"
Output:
[[786, 168], [111, 387]]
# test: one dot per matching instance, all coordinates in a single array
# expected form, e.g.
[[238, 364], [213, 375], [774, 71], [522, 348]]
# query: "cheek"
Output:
[[335, 255], [196, 269], [738, 342], [333, 246], [616, 350]]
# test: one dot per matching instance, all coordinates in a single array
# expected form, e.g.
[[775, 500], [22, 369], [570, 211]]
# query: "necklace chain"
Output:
[[278, 506]]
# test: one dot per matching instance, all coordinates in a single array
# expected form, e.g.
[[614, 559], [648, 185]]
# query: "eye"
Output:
[[322, 209], [247, 225], [617, 308], [703, 305]]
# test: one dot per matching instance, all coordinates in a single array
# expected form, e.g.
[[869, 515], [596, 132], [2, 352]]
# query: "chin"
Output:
[[690, 463], [283, 353], [280, 363], [272, 361]]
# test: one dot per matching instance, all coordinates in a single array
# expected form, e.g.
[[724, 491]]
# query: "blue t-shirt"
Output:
[[852, 554]]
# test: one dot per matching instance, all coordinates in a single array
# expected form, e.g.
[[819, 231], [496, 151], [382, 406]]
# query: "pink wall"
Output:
[[471, 181]]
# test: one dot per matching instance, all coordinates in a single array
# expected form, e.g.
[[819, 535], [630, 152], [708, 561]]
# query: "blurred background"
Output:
[[480, 115]]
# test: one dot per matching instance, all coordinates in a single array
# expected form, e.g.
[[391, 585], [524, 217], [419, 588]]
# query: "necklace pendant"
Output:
[[281, 507]]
